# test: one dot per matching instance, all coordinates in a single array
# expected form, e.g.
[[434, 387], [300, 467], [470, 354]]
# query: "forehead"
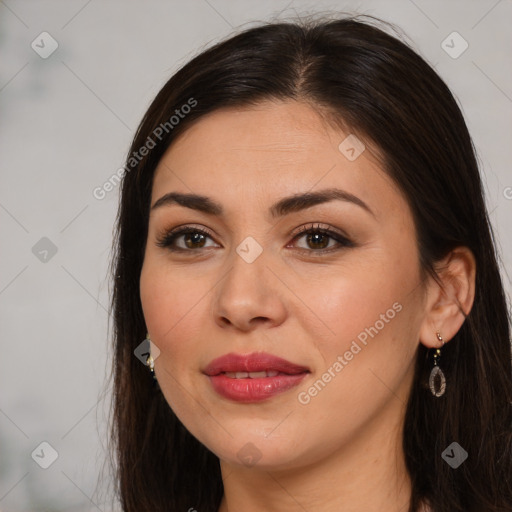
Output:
[[270, 132], [268, 151]]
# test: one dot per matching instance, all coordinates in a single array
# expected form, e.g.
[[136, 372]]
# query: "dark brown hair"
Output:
[[360, 77]]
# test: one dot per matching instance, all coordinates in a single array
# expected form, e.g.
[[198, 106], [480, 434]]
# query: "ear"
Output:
[[447, 305]]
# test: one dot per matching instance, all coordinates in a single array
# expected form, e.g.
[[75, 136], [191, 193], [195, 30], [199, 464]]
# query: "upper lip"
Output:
[[255, 362]]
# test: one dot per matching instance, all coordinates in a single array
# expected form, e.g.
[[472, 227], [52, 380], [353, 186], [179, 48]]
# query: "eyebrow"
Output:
[[285, 206]]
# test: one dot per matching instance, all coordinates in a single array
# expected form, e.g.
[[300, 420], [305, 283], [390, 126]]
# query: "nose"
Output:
[[249, 295]]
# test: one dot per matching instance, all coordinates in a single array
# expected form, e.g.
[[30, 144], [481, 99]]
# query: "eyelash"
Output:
[[168, 238]]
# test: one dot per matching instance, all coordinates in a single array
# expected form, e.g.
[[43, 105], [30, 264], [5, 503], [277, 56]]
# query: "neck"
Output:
[[368, 473]]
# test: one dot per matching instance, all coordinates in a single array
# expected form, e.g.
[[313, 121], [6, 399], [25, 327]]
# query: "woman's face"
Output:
[[341, 303]]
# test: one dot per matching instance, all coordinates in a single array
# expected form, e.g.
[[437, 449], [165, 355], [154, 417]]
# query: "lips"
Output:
[[252, 363], [253, 377]]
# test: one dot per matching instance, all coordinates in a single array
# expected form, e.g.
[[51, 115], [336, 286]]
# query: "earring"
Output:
[[149, 360], [437, 380]]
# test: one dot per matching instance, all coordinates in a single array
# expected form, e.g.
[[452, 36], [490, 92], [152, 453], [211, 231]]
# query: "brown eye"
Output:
[[319, 239], [192, 239]]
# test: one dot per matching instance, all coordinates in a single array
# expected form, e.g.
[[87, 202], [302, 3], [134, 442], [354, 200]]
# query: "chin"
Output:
[[251, 450]]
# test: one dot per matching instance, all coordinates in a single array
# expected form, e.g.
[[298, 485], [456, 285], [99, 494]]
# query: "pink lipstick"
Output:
[[253, 377]]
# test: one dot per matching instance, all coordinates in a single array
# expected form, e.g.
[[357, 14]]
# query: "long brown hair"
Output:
[[363, 78]]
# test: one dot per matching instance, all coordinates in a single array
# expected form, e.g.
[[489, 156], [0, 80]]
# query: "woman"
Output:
[[305, 264]]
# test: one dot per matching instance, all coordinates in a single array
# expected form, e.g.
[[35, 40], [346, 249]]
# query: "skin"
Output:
[[341, 450]]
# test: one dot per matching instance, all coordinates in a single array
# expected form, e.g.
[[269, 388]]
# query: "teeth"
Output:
[[254, 375], [251, 375]]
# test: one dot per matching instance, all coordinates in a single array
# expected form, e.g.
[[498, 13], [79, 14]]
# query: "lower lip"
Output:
[[254, 390]]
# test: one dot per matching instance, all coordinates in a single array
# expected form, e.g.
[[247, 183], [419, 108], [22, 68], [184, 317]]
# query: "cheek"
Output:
[[366, 290], [170, 306], [366, 366], [355, 305], [370, 314]]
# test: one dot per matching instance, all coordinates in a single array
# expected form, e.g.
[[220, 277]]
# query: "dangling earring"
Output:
[[149, 360], [437, 380]]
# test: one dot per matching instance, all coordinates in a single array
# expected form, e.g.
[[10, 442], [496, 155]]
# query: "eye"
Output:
[[191, 237], [317, 239]]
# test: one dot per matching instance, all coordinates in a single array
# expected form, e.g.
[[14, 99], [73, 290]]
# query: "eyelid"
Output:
[[317, 226]]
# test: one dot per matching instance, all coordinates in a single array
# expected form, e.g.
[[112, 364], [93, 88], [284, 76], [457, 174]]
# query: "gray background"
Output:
[[66, 124]]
